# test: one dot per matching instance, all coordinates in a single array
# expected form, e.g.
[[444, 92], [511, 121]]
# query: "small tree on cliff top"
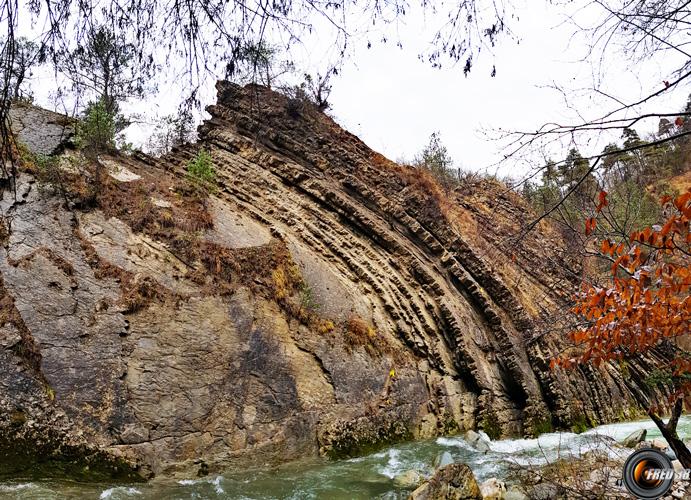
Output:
[[646, 305]]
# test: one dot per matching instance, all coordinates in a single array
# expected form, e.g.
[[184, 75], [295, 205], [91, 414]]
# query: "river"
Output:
[[359, 478]]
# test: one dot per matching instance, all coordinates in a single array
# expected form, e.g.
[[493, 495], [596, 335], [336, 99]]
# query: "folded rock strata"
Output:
[[431, 323]]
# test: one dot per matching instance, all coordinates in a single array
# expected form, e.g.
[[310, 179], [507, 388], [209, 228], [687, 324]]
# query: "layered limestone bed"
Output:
[[363, 306]]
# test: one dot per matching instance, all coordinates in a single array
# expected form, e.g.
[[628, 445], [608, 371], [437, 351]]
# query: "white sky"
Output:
[[393, 101]]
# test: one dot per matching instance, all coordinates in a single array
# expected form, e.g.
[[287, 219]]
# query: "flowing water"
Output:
[[359, 478]]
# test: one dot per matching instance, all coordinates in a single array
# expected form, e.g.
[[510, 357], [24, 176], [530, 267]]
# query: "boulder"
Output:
[[659, 444], [452, 482], [408, 480], [477, 441], [546, 491], [515, 493], [678, 468], [634, 438], [644, 444], [421, 493], [493, 489], [442, 460]]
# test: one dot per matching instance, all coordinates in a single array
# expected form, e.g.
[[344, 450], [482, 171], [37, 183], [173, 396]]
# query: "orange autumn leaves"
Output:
[[647, 296], [591, 222]]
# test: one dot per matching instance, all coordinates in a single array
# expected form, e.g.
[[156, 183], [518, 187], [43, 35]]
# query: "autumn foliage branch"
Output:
[[647, 298]]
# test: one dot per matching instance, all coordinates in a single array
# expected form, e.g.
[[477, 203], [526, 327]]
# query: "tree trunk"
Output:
[[669, 432]]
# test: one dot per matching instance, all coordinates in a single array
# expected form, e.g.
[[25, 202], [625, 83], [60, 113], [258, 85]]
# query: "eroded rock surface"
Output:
[[426, 324], [42, 131]]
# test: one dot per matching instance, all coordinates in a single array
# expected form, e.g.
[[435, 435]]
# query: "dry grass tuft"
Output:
[[359, 333], [139, 292]]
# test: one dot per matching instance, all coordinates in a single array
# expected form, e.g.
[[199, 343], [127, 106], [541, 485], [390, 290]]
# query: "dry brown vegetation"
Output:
[[137, 292], [591, 476], [267, 270], [358, 332], [51, 255], [132, 203], [424, 181], [26, 348]]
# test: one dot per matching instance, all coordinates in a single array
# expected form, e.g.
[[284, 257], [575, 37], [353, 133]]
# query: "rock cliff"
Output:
[[320, 300]]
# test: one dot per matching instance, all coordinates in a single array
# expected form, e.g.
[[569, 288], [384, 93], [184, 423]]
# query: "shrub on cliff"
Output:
[[435, 158], [201, 169]]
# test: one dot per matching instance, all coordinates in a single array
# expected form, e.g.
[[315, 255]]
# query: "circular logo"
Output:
[[648, 474]]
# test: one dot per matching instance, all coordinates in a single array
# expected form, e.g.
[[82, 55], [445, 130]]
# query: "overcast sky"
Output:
[[393, 101]]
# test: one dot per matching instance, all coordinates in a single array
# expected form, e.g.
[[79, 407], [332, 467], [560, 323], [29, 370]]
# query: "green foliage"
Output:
[[633, 181], [542, 426], [357, 441], [579, 424], [658, 377], [313, 91], [435, 157], [490, 424], [27, 56], [307, 299], [257, 62], [201, 169], [96, 130], [661, 377], [26, 156], [45, 168], [449, 425], [107, 64], [46, 165]]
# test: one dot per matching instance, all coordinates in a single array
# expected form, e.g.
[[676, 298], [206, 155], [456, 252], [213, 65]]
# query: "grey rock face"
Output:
[[42, 131]]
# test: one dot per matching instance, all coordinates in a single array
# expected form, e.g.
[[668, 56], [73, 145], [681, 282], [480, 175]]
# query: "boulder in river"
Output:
[[546, 491], [659, 444], [408, 480], [452, 482], [493, 489], [515, 493], [478, 442], [442, 460], [634, 438]]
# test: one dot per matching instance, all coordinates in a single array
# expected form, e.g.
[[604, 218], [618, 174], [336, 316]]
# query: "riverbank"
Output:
[[364, 477]]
